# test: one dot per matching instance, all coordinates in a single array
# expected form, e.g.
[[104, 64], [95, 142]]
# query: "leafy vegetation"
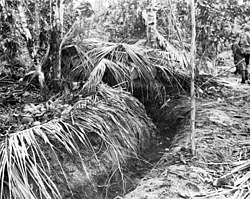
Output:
[[68, 75]]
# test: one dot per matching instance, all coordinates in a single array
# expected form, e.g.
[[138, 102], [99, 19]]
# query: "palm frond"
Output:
[[18, 164], [95, 76], [119, 72], [111, 126], [25, 160], [76, 63], [175, 54], [113, 108], [124, 64], [125, 53], [119, 53]]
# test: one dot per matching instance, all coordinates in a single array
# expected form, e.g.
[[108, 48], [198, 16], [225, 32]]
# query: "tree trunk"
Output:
[[56, 36], [193, 47], [22, 26], [55, 41], [151, 24], [32, 40], [54, 53]]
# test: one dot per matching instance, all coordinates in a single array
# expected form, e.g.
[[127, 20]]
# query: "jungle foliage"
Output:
[[55, 58]]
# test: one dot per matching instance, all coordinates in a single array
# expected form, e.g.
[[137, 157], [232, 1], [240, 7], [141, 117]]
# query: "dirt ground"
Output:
[[221, 166]]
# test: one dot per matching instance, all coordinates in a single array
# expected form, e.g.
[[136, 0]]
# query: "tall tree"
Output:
[[151, 23], [192, 63], [56, 37]]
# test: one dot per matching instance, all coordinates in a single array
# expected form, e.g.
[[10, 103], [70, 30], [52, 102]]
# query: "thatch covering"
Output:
[[89, 141]]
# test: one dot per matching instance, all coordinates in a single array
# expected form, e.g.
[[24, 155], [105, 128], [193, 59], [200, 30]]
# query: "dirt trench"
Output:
[[222, 137], [169, 118]]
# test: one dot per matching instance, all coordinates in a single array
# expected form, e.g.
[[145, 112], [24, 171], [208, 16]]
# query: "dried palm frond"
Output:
[[130, 57], [117, 53], [110, 126], [76, 65], [119, 72], [175, 54], [113, 108], [137, 68], [23, 161], [125, 53]]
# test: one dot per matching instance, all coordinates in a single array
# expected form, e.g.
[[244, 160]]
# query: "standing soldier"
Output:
[[237, 54], [245, 46]]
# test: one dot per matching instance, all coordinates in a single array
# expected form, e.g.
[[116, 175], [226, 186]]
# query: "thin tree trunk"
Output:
[[193, 46], [54, 50], [36, 35], [151, 24], [22, 27], [56, 35], [61, 14]]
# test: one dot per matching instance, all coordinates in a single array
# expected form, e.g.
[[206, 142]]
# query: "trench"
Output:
[[168, 119]]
